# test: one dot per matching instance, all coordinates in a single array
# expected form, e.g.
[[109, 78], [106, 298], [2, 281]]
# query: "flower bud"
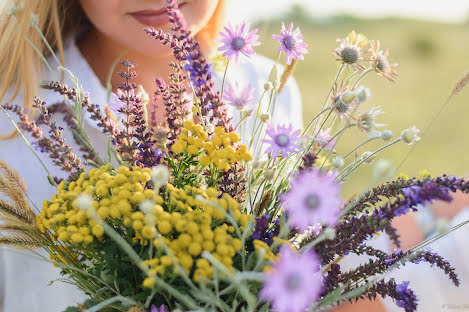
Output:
[[84, 201], [383, 170], [338, 162], [348, 97], [160, 175], [329, 233], [268, 86], [265, 117], [146, 206], [410, 135], [442, 226], [34, 20], [363, 94], [386, 135], [269, 174], [367, 157]]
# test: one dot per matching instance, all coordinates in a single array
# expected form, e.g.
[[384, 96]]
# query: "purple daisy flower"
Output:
[[239, 97], [283, 140], [313, 198], [238, 40], [294, 282], [291, 42]]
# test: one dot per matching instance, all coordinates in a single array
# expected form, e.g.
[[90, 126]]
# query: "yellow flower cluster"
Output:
[[260, 246], [116, 195], [219, 151], [191, 221], [194, 226]]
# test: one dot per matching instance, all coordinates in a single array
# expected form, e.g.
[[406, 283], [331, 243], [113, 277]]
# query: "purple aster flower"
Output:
[[294, 282], [283, 140], [291, 42], [239, 97], [238, 40], [313, 198]]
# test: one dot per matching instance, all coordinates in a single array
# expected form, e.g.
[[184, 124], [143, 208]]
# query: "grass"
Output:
[[431, 57]]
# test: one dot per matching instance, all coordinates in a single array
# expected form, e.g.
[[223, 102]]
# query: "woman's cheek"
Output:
[[198, 13]]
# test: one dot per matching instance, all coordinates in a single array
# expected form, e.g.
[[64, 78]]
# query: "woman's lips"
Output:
[[152, 17]]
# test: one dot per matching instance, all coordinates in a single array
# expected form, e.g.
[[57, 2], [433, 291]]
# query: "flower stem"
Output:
[[371, 155], [360, 145], [224, 78]]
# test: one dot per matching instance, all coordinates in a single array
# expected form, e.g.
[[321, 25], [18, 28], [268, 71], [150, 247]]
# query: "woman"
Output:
[[89, 36]]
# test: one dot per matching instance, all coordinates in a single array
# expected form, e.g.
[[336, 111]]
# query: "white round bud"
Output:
[[159, 175], [146, 206], [34, 20], [367, 157], [386, 135], [267, 86], [84, 201], [348, 97], [329, 233], [363, 94], [338, 162], [410, 135], [442, 226], [383, 170]]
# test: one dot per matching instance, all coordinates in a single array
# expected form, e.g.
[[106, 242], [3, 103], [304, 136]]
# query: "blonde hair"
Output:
[[21, 65]]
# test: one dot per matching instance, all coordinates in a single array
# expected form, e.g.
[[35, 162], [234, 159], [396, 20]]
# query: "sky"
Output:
[[439, 10]]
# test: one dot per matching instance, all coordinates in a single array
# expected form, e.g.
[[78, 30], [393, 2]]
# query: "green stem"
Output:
[[224, 78], [327, 97], [365, 159], [361, 76], [360, 145], [338, 135]]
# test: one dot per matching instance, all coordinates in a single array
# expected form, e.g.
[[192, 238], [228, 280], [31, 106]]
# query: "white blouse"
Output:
[[25, 280]]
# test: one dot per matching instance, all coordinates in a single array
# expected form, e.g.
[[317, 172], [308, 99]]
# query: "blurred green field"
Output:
[[431, 58]]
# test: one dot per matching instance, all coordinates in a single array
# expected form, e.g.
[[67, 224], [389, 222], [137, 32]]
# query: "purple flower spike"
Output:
[[238, 40], [291, 42], [283, 140], [405, 297], [239, 97], [313, 198], [294, 282]]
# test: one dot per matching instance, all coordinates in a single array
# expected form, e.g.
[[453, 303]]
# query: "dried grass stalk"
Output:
[[23, 242], [11, 213], [14, 187], [287, 72], [460, 85]]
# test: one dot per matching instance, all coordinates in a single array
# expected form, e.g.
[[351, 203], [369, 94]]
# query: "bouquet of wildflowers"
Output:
[[188, 217]]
